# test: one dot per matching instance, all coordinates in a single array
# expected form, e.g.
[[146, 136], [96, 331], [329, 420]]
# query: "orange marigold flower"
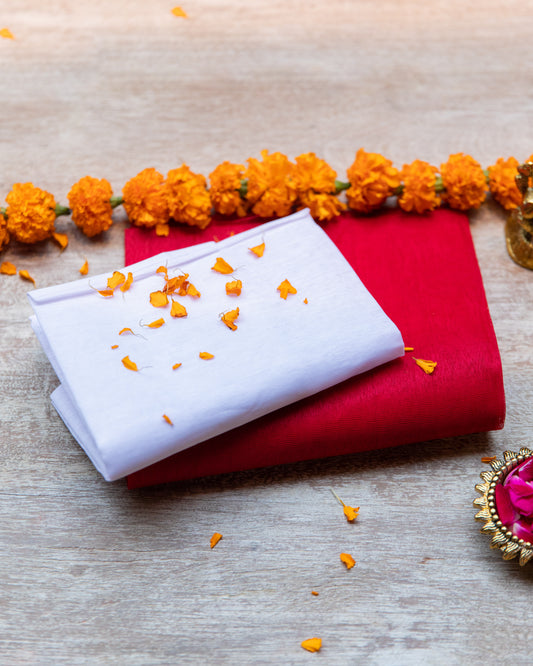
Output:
[[188, 198], [502, 183], [145, 199], [464, 182], [30, 213], [225, 189], [4, 233], [314, 181], [270, 189], [89, 201], [418, 187], [372, 179]]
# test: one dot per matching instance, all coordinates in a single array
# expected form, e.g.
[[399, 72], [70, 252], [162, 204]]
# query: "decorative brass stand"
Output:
[[519, 227]]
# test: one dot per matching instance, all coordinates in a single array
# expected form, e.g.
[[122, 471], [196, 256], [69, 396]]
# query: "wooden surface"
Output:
[[92, 573]]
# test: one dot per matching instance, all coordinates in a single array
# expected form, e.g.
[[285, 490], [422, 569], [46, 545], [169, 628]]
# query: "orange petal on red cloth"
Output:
[[427, 366]]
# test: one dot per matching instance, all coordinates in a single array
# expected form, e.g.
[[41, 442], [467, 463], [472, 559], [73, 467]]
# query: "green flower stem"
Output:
[[62, 210], [4, 212], [243, 189], [116, 200], [340, 186]]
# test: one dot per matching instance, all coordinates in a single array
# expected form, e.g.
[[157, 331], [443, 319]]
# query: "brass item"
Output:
[[519, 226], [502, 537]]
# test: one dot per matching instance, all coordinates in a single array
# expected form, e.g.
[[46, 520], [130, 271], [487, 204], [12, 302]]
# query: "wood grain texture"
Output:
[[95, 574]]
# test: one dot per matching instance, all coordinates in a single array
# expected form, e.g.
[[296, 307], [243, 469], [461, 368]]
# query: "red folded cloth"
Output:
[[424, 273]]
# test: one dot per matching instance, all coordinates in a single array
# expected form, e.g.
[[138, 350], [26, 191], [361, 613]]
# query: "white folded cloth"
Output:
[[282, 350]]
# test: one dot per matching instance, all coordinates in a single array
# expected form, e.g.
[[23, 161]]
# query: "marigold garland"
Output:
[[270, 187]]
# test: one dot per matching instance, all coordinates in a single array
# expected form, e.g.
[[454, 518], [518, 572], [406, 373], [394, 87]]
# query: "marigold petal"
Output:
[[157, 323], [7, 268], [286, 288], [312, 644], [107, 293], [61, 239], [229, 318], [176, 366], [126, 330], [114, 346], [162, 269], [350, 512], [127, 284], [206, 356], [314, 593], [116, 280], [158, 299], [258, 250], [162, 229], [215, 539], [347, 559], [85, 268], [178, 11], [6, 33], [192, 291], [427, 366], [234, 288], [26, 276], [222, 266], [177, 310], [167, 419], [129, 364]]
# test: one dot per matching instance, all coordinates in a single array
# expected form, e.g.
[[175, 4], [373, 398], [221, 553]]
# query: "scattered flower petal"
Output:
[[192, 291], [306, 301], [222, 266], [176, 366], [126, 330], [162, 229], [215, 539], [26, 276], [60, 239], [427, 366], [157, 323], [347, 559], [234, 288], [229, 318], [106, 292], [408, 349], [162, 269], [167, 419], [286, 288], [350, 512], [312, 644], [314, 593], [127, 284], [158, 299], [7, 268], [6, 33], [177, 309], [114, 346], [128, 363], [116, 280], [206, 356], [178, 11], [258, 250], [85, 268]]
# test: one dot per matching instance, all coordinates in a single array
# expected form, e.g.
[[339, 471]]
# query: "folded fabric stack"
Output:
[[154, 363], [423, 272]]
